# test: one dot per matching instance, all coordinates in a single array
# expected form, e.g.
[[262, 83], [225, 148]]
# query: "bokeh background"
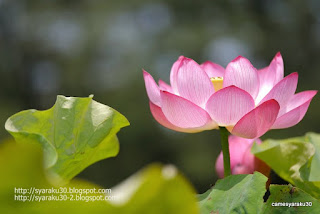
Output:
[[83, 47]]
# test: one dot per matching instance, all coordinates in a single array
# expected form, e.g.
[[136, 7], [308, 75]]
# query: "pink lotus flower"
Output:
[[247, 101], [242, 161]]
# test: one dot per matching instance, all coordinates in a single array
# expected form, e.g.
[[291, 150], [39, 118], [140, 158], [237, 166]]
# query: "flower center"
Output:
[[217, 83]]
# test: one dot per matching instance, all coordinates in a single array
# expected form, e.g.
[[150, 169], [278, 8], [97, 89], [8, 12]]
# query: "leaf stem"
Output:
[[225, 150]]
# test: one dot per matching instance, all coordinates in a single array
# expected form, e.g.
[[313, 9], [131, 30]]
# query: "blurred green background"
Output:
[[83, 47]]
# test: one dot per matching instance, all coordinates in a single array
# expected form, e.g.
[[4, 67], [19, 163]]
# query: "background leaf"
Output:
[[296, 160], [157, 189], [74, 133], [235, 194], [21, 166]]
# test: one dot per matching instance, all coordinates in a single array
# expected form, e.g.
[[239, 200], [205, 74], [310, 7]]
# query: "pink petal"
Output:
[[241, 169], [291, 118], [174, 72], [233, 139], [238, 148], [228, 105], [212, 69], [266, 80], [300, 98], [258, 121], [242, 74], [270, 76], [283, 91], [248, 159], [164, 86], [296, 109], [160, 118], [276, 67], [219, 166], [183, 113], [193, 83], [242, 161], [152, 88]]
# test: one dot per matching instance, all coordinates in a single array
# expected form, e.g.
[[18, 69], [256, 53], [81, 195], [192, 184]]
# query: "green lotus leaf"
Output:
[[74, 133], [235, 194], [296, 160], [289, 199]]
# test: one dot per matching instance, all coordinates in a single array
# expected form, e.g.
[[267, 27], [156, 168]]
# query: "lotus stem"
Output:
[[224, 134]]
